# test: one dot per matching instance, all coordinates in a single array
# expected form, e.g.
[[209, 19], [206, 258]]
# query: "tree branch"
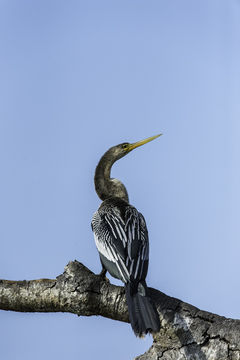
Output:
[[186, 332]]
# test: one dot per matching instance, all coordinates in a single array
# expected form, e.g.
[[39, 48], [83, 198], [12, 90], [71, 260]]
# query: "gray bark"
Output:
[[186, 332]]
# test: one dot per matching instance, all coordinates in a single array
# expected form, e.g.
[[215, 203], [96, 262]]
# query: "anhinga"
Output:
[[121, 238]]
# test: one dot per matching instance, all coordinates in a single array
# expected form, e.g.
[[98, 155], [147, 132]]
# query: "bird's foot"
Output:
[[103, 275]]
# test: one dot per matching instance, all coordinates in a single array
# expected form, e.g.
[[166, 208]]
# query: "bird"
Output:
[[121, 238]]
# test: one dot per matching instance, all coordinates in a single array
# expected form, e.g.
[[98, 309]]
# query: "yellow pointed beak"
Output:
[[142, 142]]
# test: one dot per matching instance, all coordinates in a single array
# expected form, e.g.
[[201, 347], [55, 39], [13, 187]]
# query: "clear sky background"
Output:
[[80, 76]]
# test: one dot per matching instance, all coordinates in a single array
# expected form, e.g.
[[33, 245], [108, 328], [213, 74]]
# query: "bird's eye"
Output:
[[124, 146]]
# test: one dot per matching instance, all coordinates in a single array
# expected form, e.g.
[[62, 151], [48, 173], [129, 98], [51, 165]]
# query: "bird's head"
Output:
[[123, 149], [105, 186]]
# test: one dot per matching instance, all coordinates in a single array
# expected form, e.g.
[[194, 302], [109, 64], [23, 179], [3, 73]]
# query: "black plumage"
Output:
[[121, 238]]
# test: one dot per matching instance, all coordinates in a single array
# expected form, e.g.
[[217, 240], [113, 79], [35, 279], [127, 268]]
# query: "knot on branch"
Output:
[[75, 269], [96, 296]]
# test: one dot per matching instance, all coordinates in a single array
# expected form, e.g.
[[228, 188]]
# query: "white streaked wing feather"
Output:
[[131, 233]]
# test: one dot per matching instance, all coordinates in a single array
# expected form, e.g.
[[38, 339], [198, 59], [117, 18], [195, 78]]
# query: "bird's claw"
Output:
[[103, 275]]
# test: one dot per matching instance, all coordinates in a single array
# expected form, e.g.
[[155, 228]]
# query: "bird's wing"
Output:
[[137, 244], [111, 240], [123, 241]]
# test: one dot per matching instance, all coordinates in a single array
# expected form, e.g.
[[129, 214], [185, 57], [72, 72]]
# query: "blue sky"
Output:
[[80, 76]]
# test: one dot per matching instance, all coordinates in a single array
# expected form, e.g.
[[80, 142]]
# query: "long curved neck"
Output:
[[104, 185]]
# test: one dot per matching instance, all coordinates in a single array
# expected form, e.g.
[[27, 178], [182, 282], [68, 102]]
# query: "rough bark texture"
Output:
[[186, 332]]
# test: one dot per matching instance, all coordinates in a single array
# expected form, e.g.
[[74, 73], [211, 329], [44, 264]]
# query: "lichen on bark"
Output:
[[186, 333]]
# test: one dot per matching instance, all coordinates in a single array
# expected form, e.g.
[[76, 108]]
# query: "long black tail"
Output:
[[142, 311]]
